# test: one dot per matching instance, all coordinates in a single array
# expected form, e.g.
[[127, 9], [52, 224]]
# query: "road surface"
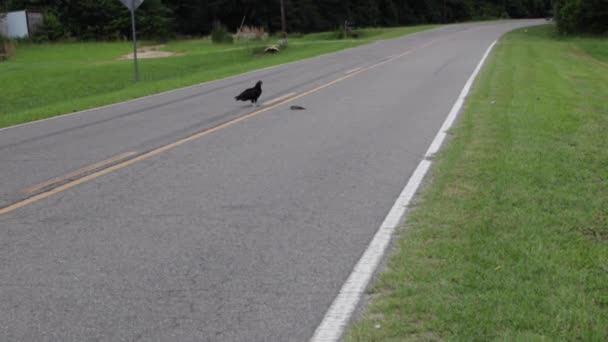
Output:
[[186, 216]]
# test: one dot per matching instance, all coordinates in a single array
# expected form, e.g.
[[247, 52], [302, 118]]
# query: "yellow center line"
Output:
[[352, 70], [162, 149], [76, 173], [270, 102]]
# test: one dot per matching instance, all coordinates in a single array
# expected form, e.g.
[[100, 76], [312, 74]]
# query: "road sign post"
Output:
[[132, 6], [136, 72]]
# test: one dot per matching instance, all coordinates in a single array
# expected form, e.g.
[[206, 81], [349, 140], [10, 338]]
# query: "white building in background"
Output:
[[19, 24]]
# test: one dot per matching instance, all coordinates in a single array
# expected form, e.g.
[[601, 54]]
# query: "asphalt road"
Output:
[[243, 233]]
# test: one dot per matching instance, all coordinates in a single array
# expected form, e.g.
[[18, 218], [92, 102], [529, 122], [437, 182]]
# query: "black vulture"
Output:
[[251, 94]]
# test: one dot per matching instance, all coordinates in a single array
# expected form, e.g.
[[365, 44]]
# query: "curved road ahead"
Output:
[[186, 216]]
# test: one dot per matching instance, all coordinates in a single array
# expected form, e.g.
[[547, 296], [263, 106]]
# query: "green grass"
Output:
[[387, 33], [45, 80], [509, 238], [371, 34], [595, 48]]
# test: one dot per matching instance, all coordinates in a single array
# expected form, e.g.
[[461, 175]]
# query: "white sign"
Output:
[[130, 3], [14, 24]]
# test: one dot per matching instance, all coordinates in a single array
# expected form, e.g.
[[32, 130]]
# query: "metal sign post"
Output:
[[136, 72], [132, 6], [283, 21]]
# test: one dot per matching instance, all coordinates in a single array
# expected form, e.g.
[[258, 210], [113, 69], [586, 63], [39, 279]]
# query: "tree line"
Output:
[[109, 19], [589, 16]]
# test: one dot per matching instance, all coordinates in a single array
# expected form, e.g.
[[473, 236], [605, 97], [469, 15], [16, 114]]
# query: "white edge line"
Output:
[[436, 144], [339, 313]]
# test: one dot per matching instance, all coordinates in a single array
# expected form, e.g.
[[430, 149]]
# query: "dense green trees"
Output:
[[96, 19], [107, 19], [589, 16]]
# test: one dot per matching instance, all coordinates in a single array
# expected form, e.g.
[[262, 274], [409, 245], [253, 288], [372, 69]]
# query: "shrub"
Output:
[[590, 16], [219, 34], [155, 22], [51, 29], [566, 17], [340, 33]]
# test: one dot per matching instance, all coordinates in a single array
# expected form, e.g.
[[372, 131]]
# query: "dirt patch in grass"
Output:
[[151, 52]]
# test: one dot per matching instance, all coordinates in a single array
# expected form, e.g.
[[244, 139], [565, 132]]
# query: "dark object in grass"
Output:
[[251, 94], [271, 49], [297, 108]]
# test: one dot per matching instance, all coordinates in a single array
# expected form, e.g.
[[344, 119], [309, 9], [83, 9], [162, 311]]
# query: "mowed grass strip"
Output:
[[44, 80], [508, 240]]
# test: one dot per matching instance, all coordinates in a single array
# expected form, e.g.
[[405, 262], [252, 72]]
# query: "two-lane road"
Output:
[[185, 216]]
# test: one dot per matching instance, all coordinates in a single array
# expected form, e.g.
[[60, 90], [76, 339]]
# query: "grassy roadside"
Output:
[[509, 238], [45, 80]]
